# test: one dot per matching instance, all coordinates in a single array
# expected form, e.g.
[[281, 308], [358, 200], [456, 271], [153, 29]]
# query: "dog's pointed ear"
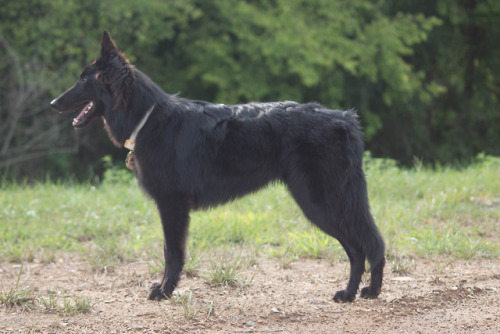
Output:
[[108, 47]]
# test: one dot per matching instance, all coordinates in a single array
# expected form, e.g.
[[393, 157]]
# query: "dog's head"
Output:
[[101, 88]]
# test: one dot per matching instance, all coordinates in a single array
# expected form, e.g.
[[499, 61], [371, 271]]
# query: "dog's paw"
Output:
[[156, 293], [344, 297], [368, 293]]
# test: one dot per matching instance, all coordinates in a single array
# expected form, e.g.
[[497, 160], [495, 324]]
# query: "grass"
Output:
[[421, 212], [225, 273], [189, 305], [18, 296], [401, 265], [285, 257], [427, 212], [191, 310], [65, 304], [192, 266], [24, 298]]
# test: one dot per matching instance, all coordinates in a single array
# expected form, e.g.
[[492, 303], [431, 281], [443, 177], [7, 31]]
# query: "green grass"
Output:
[[24, 298], [18, 296], [191, 310], [189, 306], [420, 211], [65, 304], [444, 211], [225, 273]]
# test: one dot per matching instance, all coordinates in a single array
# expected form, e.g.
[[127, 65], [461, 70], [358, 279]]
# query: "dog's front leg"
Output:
[[174, 213]]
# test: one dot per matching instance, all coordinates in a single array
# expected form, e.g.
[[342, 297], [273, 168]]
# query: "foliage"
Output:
[[455, 114], [423, 74]]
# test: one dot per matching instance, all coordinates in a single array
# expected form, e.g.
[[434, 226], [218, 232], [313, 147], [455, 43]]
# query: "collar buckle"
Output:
[[129, 144]]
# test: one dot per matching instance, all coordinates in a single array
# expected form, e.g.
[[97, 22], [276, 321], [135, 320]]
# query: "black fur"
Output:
[[194, 154]]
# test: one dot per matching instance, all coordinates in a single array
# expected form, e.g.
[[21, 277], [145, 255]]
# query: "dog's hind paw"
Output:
[[343, 296], [156, 293], [368, 293]]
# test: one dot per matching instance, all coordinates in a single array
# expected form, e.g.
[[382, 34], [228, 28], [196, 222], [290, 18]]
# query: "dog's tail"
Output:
[[357, 214]]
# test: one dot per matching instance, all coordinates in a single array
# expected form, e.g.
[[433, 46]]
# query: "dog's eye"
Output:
[[83, 80]]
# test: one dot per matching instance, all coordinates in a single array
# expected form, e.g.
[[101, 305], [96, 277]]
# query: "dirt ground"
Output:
[[435, 296]]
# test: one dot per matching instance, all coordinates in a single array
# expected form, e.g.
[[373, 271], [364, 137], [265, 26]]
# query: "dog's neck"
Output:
[[120, 125]]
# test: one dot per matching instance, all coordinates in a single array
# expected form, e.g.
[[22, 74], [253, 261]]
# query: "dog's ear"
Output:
[[108, 47]]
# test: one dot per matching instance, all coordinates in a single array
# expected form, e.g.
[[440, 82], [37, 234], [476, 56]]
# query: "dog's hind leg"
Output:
[[357, 262], [319, 214], [375, 254], [341, 210], [174, 213], [364, 239]]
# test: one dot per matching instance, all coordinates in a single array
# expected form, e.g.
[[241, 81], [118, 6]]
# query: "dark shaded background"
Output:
[[424, 75]]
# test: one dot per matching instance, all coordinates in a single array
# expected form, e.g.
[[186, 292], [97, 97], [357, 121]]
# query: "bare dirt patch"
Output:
[[435, 296]]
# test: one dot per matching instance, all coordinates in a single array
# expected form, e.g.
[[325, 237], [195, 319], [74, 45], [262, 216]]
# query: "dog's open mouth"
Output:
[[86, 115]]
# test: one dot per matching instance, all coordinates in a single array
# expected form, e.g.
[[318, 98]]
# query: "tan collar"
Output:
[[130, 143]]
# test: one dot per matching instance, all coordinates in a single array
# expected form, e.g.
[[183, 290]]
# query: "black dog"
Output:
[[194, 154]]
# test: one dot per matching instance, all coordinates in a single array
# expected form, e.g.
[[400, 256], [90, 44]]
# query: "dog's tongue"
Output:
[[80, 119]]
